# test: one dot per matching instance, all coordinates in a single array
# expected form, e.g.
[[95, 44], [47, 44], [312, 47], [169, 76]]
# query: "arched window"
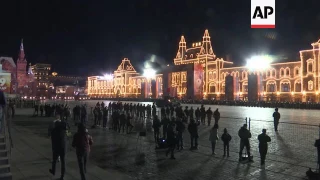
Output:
[[310, 65], [237, 74], [296, 71], [273, 73], [287, 72], [285, 86], [281, 72], [297, 86]]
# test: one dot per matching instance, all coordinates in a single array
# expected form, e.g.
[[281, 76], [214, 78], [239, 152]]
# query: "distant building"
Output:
[[58, 80], [124, 82], [21, 79], [41, 74], [69, 92], [198, 73]]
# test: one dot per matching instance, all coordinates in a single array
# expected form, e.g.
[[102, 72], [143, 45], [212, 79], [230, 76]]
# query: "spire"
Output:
[[182, 48], [21, 53], [206, 44]]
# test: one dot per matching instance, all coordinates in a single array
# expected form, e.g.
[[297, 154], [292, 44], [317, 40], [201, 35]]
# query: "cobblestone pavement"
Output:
[[291, 152]]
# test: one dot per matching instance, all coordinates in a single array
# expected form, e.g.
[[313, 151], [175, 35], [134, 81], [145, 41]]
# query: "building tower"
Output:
[[182, 50], [21, 67], [206, 44]]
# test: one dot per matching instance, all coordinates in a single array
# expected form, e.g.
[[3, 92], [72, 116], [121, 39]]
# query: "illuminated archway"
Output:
[[271, 86], [212, 87], [297, 86], [285, 85]]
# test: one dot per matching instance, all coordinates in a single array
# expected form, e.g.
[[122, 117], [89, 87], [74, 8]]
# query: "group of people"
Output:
[[174, 121], [173, 129], [58, 131], [50, 110]]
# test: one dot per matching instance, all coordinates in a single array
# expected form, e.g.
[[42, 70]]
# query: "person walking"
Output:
[[263, 145], [105, 117], [171, 140], [214, 137], [216, 116], [59, 139], [82, 142], [244, 135], [50, 129], [226, 138], [180, 128], [193, 130], [209, 115], [276, 118], [156, 125]]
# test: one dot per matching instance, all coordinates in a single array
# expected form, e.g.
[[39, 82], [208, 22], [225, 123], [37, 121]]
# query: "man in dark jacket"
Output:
[[59, 141], [244, 135], [209, 115], [276, 118], [82, 141], [164, 122], [203, 114], [193, 130], [216, 116], [263, 145], [171, 140], [156, 128], [180, 127]]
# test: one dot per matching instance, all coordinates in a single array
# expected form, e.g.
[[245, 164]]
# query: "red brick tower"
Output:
[[21, 67]]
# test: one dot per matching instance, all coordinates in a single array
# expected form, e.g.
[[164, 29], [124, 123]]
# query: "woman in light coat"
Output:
[[214, 137]]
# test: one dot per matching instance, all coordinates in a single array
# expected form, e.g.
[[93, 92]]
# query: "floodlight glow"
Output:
[[149, 73], [259, 62], [108, 76]]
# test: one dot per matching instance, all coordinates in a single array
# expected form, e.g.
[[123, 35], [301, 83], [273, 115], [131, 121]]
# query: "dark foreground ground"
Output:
[[122, 156]]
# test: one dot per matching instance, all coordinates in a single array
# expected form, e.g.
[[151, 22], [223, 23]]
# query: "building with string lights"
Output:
[[125, 82], [21, 81], [197, 73]]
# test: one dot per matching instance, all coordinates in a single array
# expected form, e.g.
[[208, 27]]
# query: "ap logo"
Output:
[[263, 14]]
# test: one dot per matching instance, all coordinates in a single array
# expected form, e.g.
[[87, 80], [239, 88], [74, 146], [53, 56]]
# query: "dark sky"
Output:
[[82, 37]]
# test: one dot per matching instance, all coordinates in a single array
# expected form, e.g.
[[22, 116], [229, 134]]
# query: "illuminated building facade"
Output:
[[41, 74], [288, 81], [124, 82], [198, 73], [22, 81]]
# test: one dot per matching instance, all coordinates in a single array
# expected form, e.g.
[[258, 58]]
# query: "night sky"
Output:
[[91, 37]]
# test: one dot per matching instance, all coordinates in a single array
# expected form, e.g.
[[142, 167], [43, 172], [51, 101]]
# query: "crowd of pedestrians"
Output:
[[168, 128], [172, 124]]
